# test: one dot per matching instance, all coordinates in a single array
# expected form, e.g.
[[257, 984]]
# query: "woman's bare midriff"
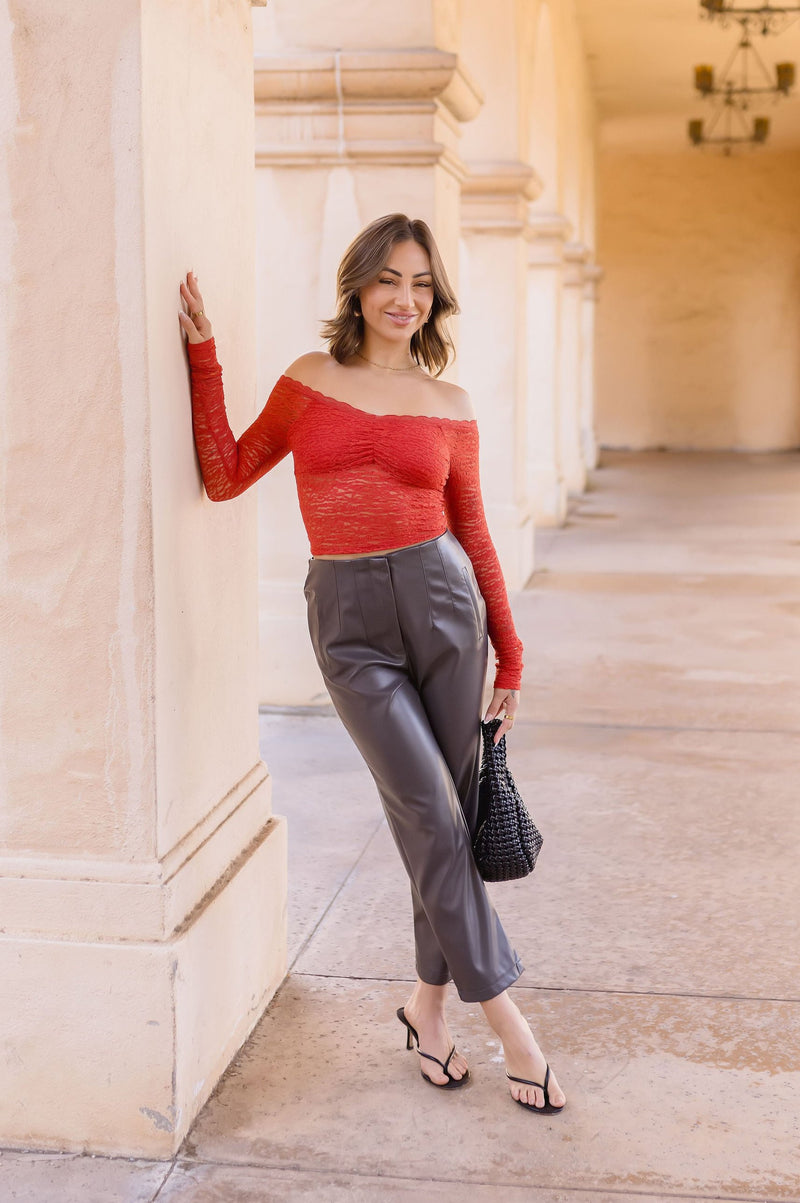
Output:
[[363, 555]]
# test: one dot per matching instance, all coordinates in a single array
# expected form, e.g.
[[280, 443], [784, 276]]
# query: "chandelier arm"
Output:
[[714, 120], [731, 60], [744, 91], [728, 140], [762, 65], [740, 117], [773, 19]]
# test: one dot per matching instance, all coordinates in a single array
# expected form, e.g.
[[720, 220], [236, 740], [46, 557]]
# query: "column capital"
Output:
[[576, 255], [547, 235], [363, 75], [496, 194], [592, 275], [388, 107]]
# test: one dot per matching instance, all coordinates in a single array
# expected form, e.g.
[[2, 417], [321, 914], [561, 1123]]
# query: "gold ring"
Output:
[[197, 313]]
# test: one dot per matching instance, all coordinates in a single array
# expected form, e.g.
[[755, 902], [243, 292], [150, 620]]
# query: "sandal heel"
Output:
[[451, 1082]]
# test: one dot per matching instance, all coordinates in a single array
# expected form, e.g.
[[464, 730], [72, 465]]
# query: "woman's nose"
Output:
[[404, 298]]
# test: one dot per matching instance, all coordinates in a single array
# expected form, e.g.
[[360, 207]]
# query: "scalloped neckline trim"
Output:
[[369, 414]]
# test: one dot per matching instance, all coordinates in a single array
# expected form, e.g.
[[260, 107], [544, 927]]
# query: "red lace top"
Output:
[[365, 482]]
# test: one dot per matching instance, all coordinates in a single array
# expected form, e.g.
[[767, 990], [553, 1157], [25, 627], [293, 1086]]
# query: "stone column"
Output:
[[592, 275], [571, 383], [492, 355], [547, 234], [142, 875], [341, 138]]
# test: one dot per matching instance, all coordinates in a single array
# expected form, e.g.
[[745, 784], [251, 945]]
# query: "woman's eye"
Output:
[[386, 281], [424, 284]]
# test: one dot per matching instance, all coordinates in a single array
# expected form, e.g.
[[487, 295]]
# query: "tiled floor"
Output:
[[658, 750]]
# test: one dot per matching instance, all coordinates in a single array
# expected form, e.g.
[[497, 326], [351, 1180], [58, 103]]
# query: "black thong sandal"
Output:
[[451, 1082], [548, 1108]]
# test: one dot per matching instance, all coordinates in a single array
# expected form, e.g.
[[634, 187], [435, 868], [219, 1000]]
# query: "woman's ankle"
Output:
[[505, 1018], [427, 998]]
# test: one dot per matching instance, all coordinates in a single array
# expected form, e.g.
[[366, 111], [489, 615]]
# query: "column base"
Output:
[[114, 1047], [589, 445], [575, 479]]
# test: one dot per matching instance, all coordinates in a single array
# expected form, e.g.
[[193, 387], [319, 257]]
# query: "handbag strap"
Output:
[[493, 752]]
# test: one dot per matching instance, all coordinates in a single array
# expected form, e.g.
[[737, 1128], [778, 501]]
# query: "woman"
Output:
[[402, 581]]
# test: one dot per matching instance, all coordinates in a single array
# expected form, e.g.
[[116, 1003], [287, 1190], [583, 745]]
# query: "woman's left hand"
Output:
[[504, 703]]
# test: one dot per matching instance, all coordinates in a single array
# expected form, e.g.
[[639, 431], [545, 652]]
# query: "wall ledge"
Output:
[[496, 195], [352, 76], [59, 898]]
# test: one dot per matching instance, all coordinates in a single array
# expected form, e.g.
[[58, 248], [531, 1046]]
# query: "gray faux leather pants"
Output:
[[401, 642]]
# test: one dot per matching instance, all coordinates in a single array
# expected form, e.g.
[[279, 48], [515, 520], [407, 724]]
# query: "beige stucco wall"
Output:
[[76, 590], [142, 875], [92, 338], [91, 335], [699, 326]]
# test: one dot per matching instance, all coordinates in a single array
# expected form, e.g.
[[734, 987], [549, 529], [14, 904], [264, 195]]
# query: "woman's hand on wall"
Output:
[[504, 703], [195, 324]]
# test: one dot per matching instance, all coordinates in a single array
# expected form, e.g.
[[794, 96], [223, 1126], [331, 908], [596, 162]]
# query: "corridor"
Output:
[[657, 750]]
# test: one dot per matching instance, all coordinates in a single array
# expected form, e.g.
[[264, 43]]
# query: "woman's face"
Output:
[[400, 297]]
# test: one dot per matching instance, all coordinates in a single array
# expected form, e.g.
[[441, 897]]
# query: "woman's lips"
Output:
[[402, 319]]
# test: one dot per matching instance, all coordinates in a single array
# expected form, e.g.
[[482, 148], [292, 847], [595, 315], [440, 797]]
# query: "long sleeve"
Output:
[[229, 466], [466, 518]]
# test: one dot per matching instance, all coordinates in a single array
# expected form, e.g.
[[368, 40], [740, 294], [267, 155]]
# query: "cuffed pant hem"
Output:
[[427, 982], [481, 994]]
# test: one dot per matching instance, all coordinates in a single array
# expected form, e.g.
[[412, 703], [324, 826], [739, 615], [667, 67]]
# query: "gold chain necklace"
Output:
[[385, 366]]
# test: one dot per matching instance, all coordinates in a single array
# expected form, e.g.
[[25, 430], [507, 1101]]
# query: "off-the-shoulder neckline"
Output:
[[369, 414]]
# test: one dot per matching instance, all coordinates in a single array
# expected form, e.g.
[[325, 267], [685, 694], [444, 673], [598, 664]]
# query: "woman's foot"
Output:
[[427, 1017], [533, 1068], [524, 1058]]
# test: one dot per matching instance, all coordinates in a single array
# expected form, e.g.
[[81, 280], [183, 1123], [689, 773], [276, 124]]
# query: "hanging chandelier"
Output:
[[744, 76], [766, 18], [734, 130]]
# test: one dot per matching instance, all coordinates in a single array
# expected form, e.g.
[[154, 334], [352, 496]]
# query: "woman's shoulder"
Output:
[[452, 401], [310, 369]]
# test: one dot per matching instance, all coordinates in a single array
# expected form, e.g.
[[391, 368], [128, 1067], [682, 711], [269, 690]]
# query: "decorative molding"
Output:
[[592, 275], [369, 75], [547, 235], [386, 153], [496, 195], [385, 108], [576, 255], [114, 901], [576, 252], [549, 226]]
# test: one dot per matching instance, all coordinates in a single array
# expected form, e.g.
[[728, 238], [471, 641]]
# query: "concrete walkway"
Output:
[[658, 750]]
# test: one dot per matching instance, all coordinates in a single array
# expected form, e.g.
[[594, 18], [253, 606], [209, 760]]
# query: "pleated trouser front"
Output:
[[402, 645]]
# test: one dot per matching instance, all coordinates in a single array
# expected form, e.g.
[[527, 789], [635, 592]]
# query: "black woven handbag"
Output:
[[507, 841]]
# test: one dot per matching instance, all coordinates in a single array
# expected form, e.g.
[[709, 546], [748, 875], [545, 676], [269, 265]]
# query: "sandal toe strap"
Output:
[[447, 1062], [528, 1082], [442, 1064]]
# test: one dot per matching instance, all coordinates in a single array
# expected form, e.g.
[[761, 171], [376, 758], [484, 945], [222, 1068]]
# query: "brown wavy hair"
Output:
[[363, 260]]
